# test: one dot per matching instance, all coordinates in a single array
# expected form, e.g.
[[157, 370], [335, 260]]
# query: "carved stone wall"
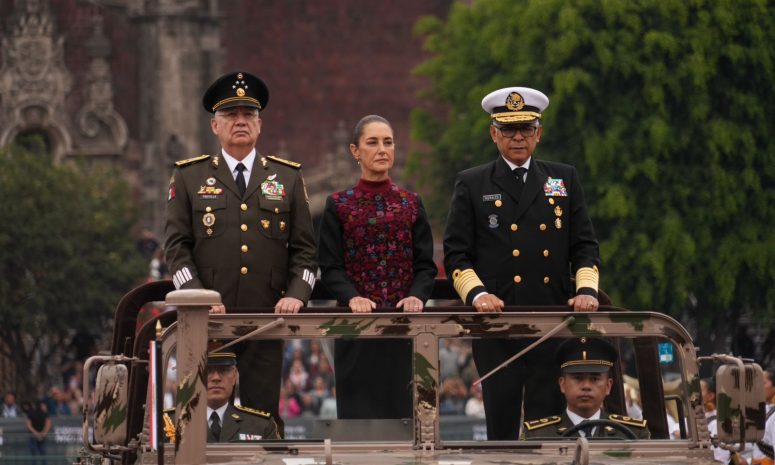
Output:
[[33, 79], [120, 81]]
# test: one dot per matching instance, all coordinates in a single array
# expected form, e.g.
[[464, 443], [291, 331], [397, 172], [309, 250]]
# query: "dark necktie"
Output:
[[241, 180], [520, 175], [215, 426]]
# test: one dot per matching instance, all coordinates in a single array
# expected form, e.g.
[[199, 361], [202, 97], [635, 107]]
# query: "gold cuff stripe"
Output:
[[234, 99], [464, 281], [586, 362], [515, 116], [587, 277]]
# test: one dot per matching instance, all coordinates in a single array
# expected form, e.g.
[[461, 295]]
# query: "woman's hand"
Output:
[[360, 304], [410, 304]]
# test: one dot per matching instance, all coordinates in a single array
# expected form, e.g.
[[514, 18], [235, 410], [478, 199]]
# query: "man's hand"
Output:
[[219, 309], [360, 304], [410, 304], [584, 303], [488, 303], [288, 305]]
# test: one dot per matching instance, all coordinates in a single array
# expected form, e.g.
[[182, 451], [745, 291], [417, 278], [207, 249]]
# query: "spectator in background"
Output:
[[38, 424], [298, 375], [9, 408], [57, 402], [313, 359], [328, 406], [475, 405], [289, 404], [453, 396], [325, 371]]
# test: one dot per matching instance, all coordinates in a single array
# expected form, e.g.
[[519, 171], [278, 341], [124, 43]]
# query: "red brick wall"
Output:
[[326, 61]]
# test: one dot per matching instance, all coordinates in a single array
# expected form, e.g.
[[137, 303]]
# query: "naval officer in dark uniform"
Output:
[[586, 381], [239, 223], [517, 231]]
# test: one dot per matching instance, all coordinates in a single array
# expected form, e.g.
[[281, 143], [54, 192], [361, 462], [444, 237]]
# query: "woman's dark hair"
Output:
[[358, 131]]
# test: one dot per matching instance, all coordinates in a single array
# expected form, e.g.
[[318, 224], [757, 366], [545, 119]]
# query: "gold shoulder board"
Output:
[[292, 164], [628, 420], [253, 411], [189, 161], [536, 424]]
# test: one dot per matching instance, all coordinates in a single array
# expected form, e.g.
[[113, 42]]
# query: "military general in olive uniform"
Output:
[[239, 223], [586, 381], [227, 422], [517, 232]]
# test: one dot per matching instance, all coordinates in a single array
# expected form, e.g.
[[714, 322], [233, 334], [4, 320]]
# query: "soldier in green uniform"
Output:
[[239, 223], [585, 382], [227, 422]]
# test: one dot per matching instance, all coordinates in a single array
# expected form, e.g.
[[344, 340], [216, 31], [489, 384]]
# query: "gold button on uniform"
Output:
[[244, 270], [546, 279], [515, 252], [498, 203], [277, 210], [542, 227], [514, 227], [244, 227], [517, 279], [244, 248], [551, 201], [244, 207], [546, 253], [208, 209]]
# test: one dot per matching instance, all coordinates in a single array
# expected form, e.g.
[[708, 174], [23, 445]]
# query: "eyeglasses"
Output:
[[511, 130]]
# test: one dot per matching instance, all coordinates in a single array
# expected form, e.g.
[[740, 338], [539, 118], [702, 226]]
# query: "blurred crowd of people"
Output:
[[308, 381]]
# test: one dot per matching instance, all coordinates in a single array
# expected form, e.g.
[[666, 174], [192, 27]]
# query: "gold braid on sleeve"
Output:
[[587, 277], [464, 281]]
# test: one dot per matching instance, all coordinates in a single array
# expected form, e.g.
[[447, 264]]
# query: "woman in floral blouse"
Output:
[[376, 251]]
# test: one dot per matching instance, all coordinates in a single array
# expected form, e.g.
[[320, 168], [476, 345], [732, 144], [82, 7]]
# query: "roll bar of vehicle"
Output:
[[193, 306]]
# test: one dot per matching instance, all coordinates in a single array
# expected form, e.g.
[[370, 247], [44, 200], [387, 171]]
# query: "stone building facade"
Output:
[[120, 81]]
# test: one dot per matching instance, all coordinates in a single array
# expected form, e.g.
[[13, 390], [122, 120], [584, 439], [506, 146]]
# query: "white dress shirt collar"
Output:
[[512, 166], [221, 411], [247, 161]]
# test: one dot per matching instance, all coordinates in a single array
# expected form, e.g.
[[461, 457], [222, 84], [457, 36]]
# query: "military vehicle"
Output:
[[123, 423]]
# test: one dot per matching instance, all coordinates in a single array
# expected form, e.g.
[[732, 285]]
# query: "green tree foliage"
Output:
[[66, 256], [666, 108]]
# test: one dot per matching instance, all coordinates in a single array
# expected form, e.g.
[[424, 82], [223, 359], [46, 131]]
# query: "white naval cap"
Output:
[[515, 105]]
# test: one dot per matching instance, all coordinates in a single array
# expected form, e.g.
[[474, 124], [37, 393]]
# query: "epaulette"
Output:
[[260, 413], [169, 410], [189, 161], [292, 164], [536, 424], [629, 421]]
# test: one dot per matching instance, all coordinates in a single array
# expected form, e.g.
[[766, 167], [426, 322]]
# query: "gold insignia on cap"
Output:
[[240, 92], [515, 102]]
